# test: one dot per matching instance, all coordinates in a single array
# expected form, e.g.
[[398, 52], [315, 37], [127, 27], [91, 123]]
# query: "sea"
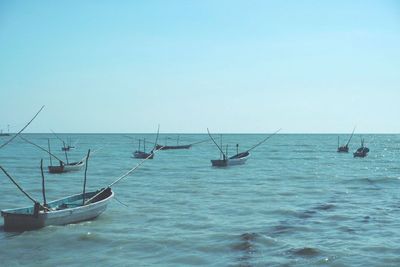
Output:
[[296, 202]]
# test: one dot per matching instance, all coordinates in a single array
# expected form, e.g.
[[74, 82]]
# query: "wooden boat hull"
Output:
[[343, 149], [362, 152], [228, 162], [142, 155], [159, 147], [74, 166], [63, 211]]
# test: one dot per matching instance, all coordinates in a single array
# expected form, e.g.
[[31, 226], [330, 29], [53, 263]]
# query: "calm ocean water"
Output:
[[296, 202]]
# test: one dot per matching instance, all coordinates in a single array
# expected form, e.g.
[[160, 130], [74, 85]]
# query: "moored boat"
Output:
[[345, 148], [142, 155], [362, 151], [237, 159], [160, 147], [66, 167], [67, 210], [139, 154]]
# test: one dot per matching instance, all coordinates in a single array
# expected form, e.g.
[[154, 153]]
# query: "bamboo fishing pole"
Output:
[[18, 186], [26, 140], [57, 136], [43, 187], [158, 132], [120, 178], [17, 134], [220, 149], [84, 181], [351, 136], [263, 140]]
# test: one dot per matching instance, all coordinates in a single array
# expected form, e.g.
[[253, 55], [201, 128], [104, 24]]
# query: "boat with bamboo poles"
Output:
[[177, 146], [362, 151], [7, 133], [345, 148], [238, 158], [71, 209], [67, 145], [142, 154], [63, 166]]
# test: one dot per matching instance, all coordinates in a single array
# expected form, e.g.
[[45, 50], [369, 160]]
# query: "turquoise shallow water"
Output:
[[296, 202]]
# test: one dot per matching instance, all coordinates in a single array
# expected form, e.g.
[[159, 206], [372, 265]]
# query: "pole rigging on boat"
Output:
[[155, 144], [268, 137], [19, 187], [41, 148], [120, 178], [220, 149], [84, 180], [351, 136], [20, 131], [43, 186]]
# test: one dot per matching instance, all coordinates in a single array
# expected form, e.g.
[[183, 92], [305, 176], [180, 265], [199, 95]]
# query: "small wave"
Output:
[[246, 246]]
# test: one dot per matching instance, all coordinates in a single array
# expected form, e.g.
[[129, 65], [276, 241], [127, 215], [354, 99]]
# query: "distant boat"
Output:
[[362, 151], [59, 212], [239, 158], [67, 146], [139, 154], [66, 167], [7, 133], [177, 146], [160, 147], [345, 148]]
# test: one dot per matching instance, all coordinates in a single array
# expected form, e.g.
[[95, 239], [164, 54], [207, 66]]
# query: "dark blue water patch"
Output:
[[307, 214], [325, 207], [245, 245], [304, 252]]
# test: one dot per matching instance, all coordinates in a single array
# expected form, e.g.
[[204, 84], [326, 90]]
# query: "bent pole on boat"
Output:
[[220, 149], [62, 141], [20, 131], [84, 180], [351, 136], [43, 187], [121, 177], [269, 136], [155, 144], [41, 148], [18, 186]]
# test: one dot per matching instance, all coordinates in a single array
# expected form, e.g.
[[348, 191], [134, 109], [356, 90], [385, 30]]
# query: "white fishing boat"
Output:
[[71, 209], [231, 161], [239, 158]]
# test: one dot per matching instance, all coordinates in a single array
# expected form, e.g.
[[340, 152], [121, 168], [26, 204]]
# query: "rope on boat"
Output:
[[121, 177], [12, 138], [269, 136]]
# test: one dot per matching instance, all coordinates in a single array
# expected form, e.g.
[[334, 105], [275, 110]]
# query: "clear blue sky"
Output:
[[232, 66]]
